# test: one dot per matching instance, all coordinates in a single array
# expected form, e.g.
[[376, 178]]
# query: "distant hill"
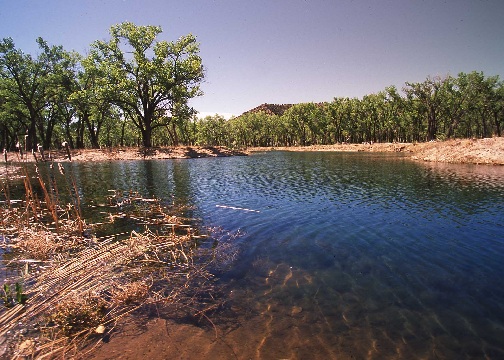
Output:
[[270, 109], [276, 109]]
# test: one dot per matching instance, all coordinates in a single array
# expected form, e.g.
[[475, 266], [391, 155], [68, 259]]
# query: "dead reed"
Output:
[[77, 287]]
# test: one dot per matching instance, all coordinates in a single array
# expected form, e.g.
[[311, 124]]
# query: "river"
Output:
[[343, 254]]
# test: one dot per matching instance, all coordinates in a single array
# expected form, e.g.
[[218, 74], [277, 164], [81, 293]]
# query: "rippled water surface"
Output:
[[345, 255]]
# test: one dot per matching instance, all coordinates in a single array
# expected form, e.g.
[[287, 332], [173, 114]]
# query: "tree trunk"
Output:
[[68, 134], [48, 136], [497, 124], [432, 125], [175, 139], [147, 137], [146, 130], [93, 135], [31, 140], [123, 126], [79, 141]]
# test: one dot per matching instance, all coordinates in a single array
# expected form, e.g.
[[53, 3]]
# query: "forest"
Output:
[[135, 90], [467, 106]]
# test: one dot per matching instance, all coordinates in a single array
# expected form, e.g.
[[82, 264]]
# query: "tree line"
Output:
[[469, 105], [134, 90], [130, 90]]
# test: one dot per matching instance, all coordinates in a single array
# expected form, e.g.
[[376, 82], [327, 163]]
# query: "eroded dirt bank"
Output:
[[469, 151]]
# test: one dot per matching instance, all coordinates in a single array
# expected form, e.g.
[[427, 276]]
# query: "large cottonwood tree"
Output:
[[148, 79]]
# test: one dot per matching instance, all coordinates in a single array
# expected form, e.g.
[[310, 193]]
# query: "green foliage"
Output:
[[134, 90], [152, 85], [36, 91], [470, 105], [13, 295], [211, 131], [59, 96]]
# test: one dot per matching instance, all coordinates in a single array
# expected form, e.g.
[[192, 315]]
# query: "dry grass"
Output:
[[79, 288]]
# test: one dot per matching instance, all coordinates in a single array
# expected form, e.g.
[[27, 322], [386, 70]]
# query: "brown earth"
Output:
[[127, 153], [467, 151], [470, 151]]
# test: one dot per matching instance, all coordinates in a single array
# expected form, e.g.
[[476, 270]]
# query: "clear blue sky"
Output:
[[287, 51]]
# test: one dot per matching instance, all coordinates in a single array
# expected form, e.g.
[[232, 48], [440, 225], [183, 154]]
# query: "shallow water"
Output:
[[343, 255]]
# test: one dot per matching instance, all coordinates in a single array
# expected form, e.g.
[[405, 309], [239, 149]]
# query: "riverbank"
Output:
[[128, 153], [488, 151], [467, 151]]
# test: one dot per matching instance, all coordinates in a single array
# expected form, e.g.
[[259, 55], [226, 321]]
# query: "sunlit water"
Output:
[[344, 255]]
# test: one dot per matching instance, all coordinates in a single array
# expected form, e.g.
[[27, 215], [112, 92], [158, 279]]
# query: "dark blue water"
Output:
[[344, 255]]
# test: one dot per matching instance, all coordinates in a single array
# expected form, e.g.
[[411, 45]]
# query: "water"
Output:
[[343, 255]]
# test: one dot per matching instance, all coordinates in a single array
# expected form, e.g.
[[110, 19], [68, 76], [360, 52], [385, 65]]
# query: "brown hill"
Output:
[[270, 109]]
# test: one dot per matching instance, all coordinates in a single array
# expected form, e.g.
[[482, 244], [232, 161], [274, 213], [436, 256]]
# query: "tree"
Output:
[[480, 101], [302, 119], [23, 85], [497, 108], [212, 131], [36, 85], [58, 115], [148, 79], [10, 115], [396, 127], [92, 109], [427, 95]]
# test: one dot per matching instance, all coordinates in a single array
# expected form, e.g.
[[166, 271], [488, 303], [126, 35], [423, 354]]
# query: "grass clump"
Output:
[[77, 313]]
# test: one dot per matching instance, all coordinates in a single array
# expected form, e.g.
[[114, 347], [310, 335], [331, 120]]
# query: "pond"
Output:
[[343, 254]]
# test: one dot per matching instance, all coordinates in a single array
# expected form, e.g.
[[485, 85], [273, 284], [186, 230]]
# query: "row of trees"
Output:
[[134, 90], [121, 93], [469, 105]]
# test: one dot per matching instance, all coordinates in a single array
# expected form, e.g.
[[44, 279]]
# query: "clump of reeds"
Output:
[[76, 313], [135, 292], [89, 284]]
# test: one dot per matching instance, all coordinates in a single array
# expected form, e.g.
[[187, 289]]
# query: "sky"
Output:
[[286, 51]]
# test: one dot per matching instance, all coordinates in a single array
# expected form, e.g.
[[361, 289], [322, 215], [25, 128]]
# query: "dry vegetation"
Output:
[[470, 151], [65, 287]]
